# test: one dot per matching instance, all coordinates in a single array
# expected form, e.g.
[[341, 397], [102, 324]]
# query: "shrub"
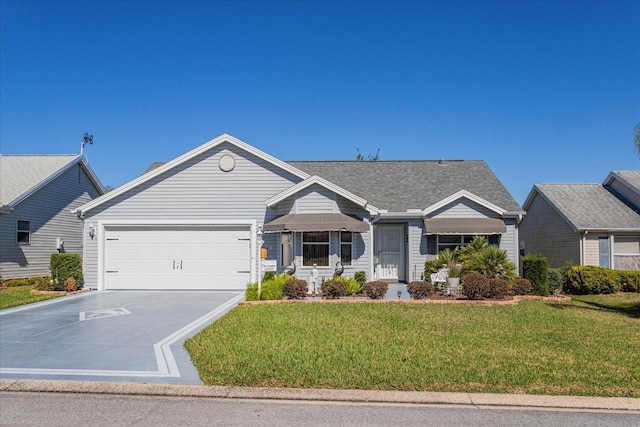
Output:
[[535, 268], [11, 283], [491, 261], [591, 280], [269, 275], [445, 257], [71, 285], [64, 266], [475, 285], [420, 289], [295, 288], [333, 289], [629, 281], [360, 277], [271, 290], [352, 286], [556, 280], [251, 293], [376, 289], [522, 286], [498, 288]]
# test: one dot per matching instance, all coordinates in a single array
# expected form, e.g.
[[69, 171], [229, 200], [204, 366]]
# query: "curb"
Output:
[[327, 395]]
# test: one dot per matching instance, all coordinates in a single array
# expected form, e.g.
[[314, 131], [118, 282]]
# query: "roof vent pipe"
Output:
[[442, 162]]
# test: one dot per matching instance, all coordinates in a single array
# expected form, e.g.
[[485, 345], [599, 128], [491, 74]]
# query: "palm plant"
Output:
[[477, 244], [491, 261]]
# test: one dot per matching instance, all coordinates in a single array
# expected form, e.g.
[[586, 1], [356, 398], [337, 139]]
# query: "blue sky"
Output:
[[542, 91]]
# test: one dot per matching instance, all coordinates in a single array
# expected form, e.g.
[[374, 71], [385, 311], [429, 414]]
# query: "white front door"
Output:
[[390, 252]]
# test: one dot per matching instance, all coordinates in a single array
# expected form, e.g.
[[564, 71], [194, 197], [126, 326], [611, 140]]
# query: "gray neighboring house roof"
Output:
[[399, 186], [588, 206], [630, 177], [22, 175]]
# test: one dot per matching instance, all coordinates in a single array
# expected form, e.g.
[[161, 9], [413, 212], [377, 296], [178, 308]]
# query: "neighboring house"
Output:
[[37, 196], [196, 222], [585, 224]]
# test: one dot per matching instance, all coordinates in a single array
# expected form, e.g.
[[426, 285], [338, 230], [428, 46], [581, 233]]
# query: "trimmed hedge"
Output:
[[475, 285], [295, 288], [597, 280], [334, 289], [420, 289], [498, 288], [535, 268], [64, 266], [376, 289], [521, 286]]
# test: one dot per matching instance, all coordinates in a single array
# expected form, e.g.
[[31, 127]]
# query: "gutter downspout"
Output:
[[583, 248], [371, 246]]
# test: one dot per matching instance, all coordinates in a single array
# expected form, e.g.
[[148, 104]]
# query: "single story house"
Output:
[[200, 220], [37, 194], [585, 224]]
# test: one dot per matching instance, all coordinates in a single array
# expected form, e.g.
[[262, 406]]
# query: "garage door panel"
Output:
[[176, 257]]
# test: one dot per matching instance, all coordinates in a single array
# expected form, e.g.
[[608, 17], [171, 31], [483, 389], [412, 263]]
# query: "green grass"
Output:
[[19, 295], [590, 346]]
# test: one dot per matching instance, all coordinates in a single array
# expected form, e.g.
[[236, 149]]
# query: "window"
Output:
[[458, 241], [315, 248], [346, 247], [23, 232]]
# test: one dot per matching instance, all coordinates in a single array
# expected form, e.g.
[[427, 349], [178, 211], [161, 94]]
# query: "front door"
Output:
[[389, 264]]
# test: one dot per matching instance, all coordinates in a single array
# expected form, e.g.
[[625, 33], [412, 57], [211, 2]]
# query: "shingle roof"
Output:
[[630, 177], [401, 185], [590, 206], [21, 173]]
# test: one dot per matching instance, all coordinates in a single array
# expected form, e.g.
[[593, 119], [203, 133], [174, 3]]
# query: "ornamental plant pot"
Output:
[[453, 282]]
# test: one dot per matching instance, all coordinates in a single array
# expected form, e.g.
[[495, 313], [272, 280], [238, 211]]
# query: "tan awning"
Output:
[[316, 222], [464, 226]]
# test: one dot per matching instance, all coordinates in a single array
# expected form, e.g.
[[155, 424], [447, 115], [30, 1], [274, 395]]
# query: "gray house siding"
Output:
[[318, 199], [464, 208], [623, 190], [49, 211], [196, 190], [416, 249], [545, 232]]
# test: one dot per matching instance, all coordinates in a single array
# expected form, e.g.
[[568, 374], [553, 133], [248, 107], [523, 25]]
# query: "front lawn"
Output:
[[19, 295], [590, 346]]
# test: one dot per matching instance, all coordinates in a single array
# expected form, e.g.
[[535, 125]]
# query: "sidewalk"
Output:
[[368, 396]]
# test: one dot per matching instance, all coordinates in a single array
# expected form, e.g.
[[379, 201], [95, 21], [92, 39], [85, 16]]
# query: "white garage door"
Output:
[[177, 257]]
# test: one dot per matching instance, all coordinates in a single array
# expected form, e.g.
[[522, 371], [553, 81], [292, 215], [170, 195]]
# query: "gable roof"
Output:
[[629, 178], [159, 168], [22, 175], [323, 183], [587, 207], [400, 186]]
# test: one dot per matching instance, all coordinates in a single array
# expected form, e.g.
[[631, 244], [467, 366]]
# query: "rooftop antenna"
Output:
[[88, 139]]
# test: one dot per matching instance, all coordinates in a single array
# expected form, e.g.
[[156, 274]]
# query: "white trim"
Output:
[[186, 157], [270, 202], [467, 195], [102, 224]]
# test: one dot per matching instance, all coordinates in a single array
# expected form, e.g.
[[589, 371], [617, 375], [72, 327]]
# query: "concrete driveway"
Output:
[[126, 336]]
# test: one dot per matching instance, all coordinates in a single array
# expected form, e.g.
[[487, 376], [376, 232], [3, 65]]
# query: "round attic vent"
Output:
[[227, 163]]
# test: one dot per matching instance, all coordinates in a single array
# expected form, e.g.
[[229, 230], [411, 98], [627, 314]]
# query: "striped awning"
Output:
[[467, 226], [316, 222]]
